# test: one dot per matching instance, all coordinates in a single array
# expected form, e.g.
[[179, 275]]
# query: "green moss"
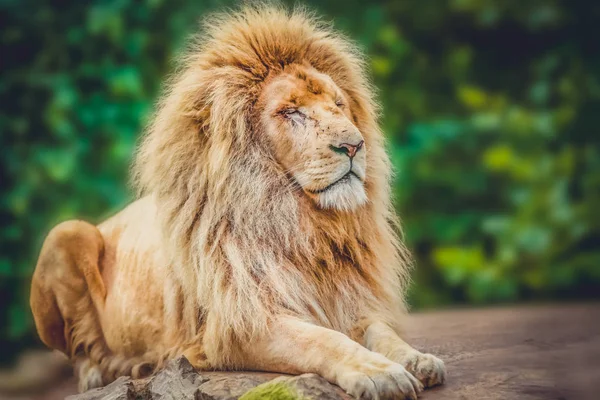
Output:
[[273, 391]]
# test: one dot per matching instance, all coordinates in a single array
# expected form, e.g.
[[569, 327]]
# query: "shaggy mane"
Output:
[[242, 242]]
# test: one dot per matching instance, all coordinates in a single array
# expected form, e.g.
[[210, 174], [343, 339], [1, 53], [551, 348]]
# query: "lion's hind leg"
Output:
[[67, 291], [67, 287], [67, 295]]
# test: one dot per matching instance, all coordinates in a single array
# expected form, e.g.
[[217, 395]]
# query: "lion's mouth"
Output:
[[344, 179]]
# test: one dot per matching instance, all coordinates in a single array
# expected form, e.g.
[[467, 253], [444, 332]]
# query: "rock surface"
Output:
[[533, 352], [520, 352], [179, 380]]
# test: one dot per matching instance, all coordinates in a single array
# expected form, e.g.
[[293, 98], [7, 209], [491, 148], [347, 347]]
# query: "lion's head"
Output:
[[267, 85], [306, 118]]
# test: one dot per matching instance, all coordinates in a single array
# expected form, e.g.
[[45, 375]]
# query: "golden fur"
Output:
[[240, 248]]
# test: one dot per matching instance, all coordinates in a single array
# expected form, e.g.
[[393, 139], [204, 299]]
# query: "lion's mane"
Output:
[[243, 245]]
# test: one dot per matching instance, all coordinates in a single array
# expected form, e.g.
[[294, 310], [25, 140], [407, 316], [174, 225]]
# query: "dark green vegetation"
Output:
[[272, 391], [491, 107]]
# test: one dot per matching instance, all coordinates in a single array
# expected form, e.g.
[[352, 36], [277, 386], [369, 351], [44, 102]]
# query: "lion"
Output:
[[264, 236]]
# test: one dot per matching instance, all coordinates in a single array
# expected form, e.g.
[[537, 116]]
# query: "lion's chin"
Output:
[[344, 196]]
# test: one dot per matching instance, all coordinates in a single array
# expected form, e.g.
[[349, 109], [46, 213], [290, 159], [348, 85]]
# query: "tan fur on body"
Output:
[[265, 236]]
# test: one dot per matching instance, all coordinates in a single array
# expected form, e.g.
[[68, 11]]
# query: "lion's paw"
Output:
[[89, 375], [427, 368], [382, 382]]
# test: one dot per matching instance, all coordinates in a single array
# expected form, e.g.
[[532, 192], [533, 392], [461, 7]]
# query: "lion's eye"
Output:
[[294, 114], [339, 103]]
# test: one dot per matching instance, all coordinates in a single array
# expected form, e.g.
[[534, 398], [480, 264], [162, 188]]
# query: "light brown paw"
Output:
[[427, 368], [381, 381], [89, 376]]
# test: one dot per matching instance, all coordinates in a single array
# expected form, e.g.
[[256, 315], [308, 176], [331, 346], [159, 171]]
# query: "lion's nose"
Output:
[[349, 149]]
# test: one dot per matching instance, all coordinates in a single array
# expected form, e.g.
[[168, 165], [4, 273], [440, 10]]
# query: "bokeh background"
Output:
[[491, 108]]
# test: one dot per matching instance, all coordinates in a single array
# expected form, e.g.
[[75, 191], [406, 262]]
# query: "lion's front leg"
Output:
[[429, 369], [294, 346]]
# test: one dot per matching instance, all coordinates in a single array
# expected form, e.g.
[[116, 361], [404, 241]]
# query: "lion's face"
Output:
[[308, 121]]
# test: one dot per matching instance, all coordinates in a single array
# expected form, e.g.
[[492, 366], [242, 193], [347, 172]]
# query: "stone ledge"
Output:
[[179, 380]]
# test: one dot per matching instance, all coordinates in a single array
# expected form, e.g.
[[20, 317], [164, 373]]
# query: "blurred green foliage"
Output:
[[491, 107]]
